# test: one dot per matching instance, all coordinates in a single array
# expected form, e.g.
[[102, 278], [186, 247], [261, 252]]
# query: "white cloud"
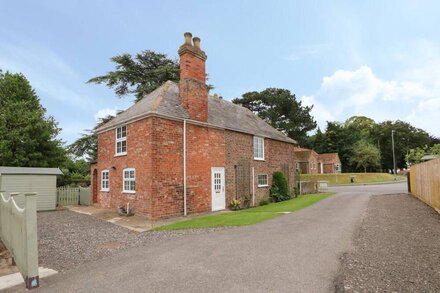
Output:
[[414, 96], [319, 111], [426, 115], [102, 113]]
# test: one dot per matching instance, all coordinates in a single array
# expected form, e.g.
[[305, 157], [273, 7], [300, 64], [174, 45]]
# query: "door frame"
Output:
[[223, 188], [95, 186]]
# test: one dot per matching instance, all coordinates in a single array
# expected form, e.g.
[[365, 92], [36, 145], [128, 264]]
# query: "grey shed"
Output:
[[27, 179]]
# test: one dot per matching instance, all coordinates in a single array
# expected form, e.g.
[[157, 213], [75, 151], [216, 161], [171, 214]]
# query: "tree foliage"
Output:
[[342, 137], [414, 156], [28, 137], [139, 74], [75, 171], [87, 145], [365, 155], [281, 109]]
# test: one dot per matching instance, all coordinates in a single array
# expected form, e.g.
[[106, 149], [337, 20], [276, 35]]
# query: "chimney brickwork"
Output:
[[193, 92]]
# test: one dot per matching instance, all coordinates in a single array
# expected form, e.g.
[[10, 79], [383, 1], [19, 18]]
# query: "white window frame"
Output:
[[258, 147], [120, 140], [267, 180], [129, 179], [105, 180]]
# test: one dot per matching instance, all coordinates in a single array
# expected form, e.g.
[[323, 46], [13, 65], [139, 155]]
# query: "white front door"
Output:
[[218, 188]]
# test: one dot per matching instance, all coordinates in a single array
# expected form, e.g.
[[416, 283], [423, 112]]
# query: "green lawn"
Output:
[[247, 216], [344, 178]]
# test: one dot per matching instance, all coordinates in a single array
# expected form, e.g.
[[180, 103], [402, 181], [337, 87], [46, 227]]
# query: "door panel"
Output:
[[218, 188]]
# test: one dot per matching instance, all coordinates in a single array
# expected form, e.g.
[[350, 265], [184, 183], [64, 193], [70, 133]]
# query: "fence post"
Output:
[[31, 251]]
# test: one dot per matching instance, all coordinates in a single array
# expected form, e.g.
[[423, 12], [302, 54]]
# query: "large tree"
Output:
[[139, 74], [365, 155], [406, 137], [28, 137], [281, 109]]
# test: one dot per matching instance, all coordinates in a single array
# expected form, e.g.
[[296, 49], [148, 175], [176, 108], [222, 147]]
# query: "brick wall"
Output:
[[138, 156], [205, 149], [239, 147], [155, 150], [329, 168]]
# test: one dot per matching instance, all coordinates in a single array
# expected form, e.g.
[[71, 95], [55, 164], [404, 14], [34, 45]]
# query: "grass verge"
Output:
[[248, 216], [360, 178]]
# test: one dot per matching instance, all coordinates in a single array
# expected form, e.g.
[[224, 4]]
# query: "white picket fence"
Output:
[[18, 231]]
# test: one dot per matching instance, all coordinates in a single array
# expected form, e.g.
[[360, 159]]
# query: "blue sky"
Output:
[[375, 58]]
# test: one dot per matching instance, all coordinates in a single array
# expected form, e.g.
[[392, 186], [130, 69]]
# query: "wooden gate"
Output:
[[67, 195]]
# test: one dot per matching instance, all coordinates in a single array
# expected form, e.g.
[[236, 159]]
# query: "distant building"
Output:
[[310, 162], [330, 163]]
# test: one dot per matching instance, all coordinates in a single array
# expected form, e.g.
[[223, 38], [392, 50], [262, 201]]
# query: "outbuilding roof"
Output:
[[329, 158], [30, 171], [304, 155], [221, 113]]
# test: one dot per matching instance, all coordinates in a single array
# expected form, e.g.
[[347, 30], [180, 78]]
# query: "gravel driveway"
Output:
[[297, 252], [68, 239], [397, 248]]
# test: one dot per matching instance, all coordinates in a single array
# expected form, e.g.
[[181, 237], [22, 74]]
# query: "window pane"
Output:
[[262, 179], [123, 146], [258, 148]]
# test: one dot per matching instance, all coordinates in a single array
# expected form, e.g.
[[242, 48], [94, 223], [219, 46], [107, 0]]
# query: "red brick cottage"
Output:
[[179, 150]]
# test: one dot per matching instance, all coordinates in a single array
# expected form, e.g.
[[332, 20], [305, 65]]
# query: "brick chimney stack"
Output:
[[192, 87]]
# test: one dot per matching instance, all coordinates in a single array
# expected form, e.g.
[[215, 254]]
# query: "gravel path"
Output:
[[397, 248], [68, 239]]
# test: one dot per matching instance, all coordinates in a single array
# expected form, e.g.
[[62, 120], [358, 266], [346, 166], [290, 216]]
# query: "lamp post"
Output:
[[394, 156]]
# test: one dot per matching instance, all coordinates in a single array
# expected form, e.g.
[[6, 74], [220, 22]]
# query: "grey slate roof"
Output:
[[221, 113], [30, 170]]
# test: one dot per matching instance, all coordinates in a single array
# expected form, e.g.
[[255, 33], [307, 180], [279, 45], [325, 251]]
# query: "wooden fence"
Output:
[[67, 195], [424, 182], [18, 231]]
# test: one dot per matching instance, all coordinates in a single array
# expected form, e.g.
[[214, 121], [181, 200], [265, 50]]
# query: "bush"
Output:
[[296, 191], [280, 188], [235, 204], [264, 202]]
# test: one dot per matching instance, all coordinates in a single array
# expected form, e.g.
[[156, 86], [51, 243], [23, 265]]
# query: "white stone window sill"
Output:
[[105, 190], [259, 159], [131, 192], [266, 185], [121, 154]]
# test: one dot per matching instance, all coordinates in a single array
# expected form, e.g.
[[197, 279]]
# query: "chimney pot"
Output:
[[188, 37], [196, 41]]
